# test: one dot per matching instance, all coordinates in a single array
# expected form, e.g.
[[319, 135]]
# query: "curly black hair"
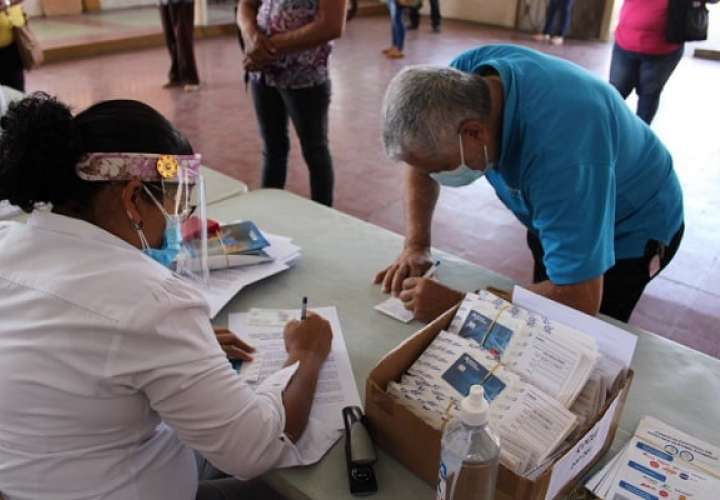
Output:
[[41, 143]]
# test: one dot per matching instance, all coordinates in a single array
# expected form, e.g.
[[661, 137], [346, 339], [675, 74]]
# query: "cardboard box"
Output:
[[417, 445]]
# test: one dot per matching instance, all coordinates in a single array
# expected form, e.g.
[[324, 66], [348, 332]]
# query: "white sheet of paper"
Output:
[[395, 308], [336, 386], [226, 283], [611, 340]]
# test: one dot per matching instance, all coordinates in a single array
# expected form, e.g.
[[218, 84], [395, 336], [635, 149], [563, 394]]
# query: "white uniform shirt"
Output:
[[110, 372]]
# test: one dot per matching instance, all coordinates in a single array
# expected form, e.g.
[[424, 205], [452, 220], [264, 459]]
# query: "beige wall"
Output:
[[497, 12]]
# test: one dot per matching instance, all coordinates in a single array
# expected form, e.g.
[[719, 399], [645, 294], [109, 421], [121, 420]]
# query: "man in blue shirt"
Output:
[[591, 182]]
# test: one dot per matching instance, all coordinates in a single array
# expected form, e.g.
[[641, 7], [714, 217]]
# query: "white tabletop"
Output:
[[341, 255]]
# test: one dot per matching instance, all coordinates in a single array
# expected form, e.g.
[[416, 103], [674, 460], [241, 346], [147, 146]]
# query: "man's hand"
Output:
[[233, 346], [309, 339], [428, 298], [411, 262], [260, 50]]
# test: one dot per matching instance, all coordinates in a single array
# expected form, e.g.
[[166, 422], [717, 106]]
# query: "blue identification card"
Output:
[[476, 327], [466, 372]]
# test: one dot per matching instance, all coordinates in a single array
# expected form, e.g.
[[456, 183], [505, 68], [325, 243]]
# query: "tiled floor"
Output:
[[682, 304]]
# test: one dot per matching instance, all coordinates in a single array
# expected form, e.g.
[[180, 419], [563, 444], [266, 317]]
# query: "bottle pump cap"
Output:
[[474, 409]]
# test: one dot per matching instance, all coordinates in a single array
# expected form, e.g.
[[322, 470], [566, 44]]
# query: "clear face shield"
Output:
[[176, 187]]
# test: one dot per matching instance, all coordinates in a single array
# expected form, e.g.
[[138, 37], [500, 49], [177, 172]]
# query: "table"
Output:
[[341, 254]]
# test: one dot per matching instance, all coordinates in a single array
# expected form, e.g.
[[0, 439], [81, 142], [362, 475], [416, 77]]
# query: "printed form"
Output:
[[263, 329]]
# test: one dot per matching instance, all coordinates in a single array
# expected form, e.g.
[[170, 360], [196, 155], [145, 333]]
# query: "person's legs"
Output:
[[308, 108], [435, 16], [654, 73], [12, 73], [414, 18], [216, 485], [565, 20], [168, 29], [273, 121], [184, 25], [234, 489], [539, 271], [624, 70], [550, 14], [398, 28]]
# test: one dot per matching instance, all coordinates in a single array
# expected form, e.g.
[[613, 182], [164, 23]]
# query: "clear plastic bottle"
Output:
[[470, 452]]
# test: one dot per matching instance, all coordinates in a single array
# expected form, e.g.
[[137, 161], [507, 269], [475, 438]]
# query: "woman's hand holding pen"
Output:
[[308, 340]]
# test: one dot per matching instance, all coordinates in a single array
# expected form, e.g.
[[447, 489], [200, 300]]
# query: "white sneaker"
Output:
[[541, 37], [557, 40]]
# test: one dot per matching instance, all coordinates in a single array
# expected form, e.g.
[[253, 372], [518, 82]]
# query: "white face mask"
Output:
[[463, 175]]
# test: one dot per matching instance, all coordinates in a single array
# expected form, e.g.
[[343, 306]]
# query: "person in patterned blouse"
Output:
[[287, 47]]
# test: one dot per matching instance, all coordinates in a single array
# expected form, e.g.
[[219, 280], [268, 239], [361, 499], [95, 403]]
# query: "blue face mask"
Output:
[[463, 175], [171, 245], [172, 238]]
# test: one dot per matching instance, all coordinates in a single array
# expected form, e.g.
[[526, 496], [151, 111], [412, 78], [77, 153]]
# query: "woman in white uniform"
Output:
[[110, 371]]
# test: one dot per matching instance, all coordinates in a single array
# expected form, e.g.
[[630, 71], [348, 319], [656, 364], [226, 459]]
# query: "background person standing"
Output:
[[178, 20], [642, 57], [11, 68], [287, 48], [435, 17], [558, 19]]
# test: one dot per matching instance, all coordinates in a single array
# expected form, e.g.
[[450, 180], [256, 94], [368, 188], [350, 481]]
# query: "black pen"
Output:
[[303, 311]]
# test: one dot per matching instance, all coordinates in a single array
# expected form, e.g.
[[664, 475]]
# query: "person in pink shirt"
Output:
[[642, 57]]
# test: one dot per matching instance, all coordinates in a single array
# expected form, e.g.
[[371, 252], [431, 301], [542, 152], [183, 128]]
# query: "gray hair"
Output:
[[424, 107]]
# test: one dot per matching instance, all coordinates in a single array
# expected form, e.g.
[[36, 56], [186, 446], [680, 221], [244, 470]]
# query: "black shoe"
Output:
[[411, 27], [436, 29]]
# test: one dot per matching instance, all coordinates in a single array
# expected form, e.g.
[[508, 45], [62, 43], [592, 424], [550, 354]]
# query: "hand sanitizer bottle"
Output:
[[470, 452]]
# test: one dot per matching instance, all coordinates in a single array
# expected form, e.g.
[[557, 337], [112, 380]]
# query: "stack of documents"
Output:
[[237, 244], [532, 368], [8, 211], [224, 284], [660, 462], [555, 358]]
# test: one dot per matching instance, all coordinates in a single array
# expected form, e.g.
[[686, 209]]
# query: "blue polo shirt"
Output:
[[576, 166]]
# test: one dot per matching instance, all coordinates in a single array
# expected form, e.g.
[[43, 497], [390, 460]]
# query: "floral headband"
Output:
[[146, 167]]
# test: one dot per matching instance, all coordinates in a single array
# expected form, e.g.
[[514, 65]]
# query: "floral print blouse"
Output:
[[305, 68]]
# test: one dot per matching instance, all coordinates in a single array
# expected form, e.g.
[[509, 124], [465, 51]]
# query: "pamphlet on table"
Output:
[[660, 463]]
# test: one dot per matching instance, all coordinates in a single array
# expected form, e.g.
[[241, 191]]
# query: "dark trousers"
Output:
[[216, 485], [645, 73], [178, 20], [11, 68], [558, 17], [414, 15], [308, 110], [624, 283]]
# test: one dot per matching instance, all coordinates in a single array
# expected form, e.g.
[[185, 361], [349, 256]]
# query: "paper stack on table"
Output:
[[532, 369], [224, 284], [660, 463], [7, 210]]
